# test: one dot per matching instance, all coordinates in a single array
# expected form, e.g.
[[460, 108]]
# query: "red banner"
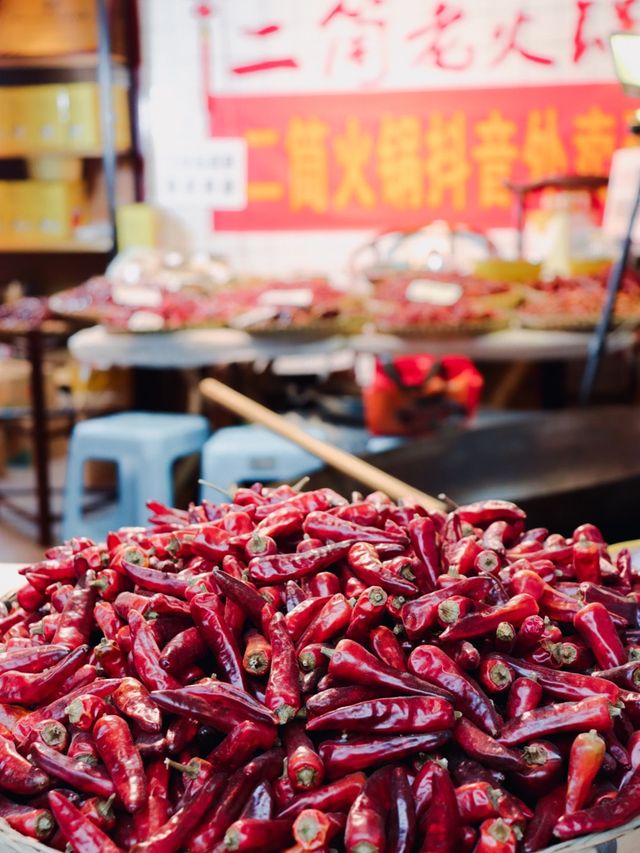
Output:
[[400, 159]]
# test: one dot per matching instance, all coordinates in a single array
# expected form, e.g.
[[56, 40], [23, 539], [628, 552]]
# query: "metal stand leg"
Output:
[[39, 436], [599, 339]]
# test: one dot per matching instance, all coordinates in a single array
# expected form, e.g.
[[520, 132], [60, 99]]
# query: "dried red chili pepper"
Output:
[[594, 625], [366, 565], [548, 810], [592, 712], [294, 595], [395, 715], [494, 675], [31, 688], [31, 658], [545, 763], [347, 756], [481, 746], [607, 814], [465, 655], [298, 619], [304, 766], [386, 646], [30, 820], [452, 609], [261, 803], [461, 556], [441, 823], [172, 835], [586, 561], [183, 650], [402, 814], [365, 826], [434, 665], [146, 655], [331, 620], [80, 774], [78, 829], [622, 606], [241, 743], [585, 761], [107, 619], [496, 836], [238, 789], [212, 704], [366, 613], [281, 567], [132, 699], [485, 622], [307, 502], [327, 527], [338, 697], [83, 711], [122, 760], [418, 615], [334, 797], [352, 662], [564, 685], [313, 829], [49, 732], [76, 620], [283, 687], [208, 614], [249, 835], [155, 812], [257, 654], [324, 583], [313, 657], [525, 694]]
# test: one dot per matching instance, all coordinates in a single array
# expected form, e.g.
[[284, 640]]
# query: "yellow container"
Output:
[[4, 212], [22, 223], [588, 266], [41, 211], [54, 167], [499, 269], [7, 142], [57, 208], [41, 114], [84, 131], [137, 226]]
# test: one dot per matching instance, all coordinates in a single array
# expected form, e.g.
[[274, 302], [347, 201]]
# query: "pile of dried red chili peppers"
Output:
[[297, 672]]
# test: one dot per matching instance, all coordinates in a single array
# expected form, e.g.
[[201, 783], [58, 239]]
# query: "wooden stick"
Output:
[[350, 465]]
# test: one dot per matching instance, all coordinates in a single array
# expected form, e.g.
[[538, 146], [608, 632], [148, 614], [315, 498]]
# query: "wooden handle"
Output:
[[366, 474]]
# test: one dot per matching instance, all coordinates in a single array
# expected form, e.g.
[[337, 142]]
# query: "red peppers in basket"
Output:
[[435, 666], [594, 625], [585, 760], [594, 712], [283, 687], [122, 760]]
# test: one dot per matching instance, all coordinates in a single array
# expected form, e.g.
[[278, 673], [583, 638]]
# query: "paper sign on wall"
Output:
[[210, 174]]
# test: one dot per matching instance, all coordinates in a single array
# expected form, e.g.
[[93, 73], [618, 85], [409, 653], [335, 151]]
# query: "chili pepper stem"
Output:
[[306, 777], [215, 488]]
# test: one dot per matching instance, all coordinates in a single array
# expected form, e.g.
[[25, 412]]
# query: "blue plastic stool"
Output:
[[246, 454], [144, 446]]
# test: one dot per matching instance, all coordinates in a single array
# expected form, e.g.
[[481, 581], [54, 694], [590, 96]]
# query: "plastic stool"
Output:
[[245, 454], [144, 446]]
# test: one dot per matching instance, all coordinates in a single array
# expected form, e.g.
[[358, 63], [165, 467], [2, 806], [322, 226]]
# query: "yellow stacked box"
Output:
[[4, 212], [61, 118], [84, 131], [7, 141], [36, 212]]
